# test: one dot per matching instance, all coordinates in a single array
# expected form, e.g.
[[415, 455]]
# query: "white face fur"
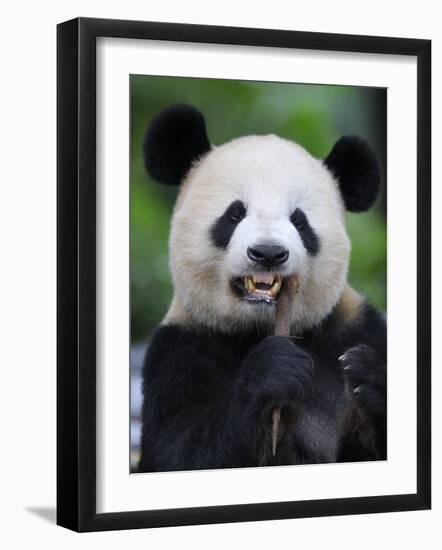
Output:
[[272, 177]]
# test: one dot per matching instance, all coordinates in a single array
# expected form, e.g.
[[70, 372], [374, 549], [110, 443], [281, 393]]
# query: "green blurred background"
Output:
[[313, 115]]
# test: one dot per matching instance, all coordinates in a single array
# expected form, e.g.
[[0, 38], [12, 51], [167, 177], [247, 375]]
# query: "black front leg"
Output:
[[277, 375], [364, 426], [200, 412]]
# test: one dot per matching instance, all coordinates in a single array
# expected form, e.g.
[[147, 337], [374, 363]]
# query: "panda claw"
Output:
[[357, 390]]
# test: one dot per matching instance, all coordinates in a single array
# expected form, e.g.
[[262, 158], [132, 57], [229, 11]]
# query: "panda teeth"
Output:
[[266, 278], [249, 284], [272, 281], [276, 287]]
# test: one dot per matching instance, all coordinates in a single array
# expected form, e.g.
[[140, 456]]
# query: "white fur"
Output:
[[272, 177]]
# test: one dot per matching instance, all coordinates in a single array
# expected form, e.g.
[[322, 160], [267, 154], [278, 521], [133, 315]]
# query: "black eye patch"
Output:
[[308, 236], [222, 230]]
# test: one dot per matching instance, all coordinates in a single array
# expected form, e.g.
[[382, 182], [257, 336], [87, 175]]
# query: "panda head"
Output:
[[253, 212]]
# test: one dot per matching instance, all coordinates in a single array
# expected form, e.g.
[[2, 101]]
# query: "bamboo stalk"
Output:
[[282, 328]]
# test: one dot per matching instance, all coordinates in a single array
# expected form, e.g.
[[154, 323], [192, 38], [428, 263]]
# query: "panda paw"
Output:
[[276, 374], [274, 379], [365, 379]]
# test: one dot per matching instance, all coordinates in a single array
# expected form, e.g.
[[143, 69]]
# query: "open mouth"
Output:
[[258, 287]]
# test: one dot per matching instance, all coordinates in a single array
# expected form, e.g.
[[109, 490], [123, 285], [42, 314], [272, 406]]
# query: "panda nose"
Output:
[[268, 255]]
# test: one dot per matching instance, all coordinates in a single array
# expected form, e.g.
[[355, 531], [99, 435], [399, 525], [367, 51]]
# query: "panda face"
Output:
[[251, 213]]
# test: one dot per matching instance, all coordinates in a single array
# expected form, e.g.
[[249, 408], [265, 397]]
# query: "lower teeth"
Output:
[[260, 298]]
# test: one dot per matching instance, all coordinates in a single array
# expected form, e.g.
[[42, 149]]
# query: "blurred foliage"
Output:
[[313, 115]]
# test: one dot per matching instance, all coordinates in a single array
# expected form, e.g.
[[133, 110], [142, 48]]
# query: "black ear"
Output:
[[356, 169], [175, 139]]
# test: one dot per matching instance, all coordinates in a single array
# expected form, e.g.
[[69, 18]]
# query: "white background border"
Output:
[[116, 489]]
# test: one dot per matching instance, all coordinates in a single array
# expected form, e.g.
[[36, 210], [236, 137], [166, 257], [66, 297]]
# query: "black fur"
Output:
[[357, 170], [308, 236], [208, 396], [176, 138], [224, 227], [365, 378]]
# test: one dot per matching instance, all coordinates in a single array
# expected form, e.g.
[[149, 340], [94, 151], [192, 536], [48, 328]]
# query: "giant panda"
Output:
[[249, 214]]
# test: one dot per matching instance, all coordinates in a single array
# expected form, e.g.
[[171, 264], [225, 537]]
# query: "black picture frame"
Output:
[[76, 273]]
